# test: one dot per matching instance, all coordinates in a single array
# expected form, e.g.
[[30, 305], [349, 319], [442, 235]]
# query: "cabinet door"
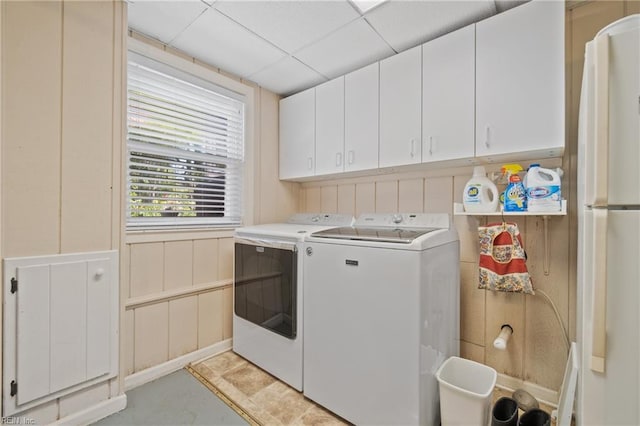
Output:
[[297, 135], [520, 81], [400, 104], [361, 103], [448, 100], [330, 127]]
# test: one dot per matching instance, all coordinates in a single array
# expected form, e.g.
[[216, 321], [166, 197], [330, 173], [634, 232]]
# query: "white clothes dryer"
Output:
[[381, 313], [268, 292]]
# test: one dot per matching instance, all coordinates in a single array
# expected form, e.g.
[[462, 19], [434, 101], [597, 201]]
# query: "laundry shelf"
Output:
[[458, 210]]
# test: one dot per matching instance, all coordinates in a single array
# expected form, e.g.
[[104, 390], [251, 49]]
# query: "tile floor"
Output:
[[179, 398], [269, 401]]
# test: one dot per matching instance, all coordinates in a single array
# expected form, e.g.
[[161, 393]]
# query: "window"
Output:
[[185, 144]]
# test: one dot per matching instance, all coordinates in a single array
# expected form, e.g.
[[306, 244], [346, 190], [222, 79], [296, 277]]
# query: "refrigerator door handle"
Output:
[[600, 148], [599, 330]]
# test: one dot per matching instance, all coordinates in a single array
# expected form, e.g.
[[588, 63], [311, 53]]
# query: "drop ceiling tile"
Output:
[[290, 25], [163, 20], [287, 77], [404, 24], [347, 49], [217, 40]]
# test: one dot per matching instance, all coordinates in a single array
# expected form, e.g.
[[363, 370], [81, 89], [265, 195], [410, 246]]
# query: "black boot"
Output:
[[535, 417], [505, 412]]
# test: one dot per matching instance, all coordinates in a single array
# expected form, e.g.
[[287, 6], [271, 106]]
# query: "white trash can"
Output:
[[466, 388]]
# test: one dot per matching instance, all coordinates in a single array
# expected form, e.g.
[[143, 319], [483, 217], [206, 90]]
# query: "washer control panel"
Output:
[[404, 220]]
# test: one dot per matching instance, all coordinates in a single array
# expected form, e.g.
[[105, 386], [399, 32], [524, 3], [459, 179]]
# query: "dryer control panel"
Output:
[[323, 219]]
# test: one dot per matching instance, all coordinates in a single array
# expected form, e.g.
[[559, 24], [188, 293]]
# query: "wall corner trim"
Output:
[[95, 412], [152, 373]]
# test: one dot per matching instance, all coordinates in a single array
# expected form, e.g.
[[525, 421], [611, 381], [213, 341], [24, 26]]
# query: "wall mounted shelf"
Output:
[[458, 210]]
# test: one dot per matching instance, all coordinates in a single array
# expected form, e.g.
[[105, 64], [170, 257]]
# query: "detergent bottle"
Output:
[[507, 171], [543, 190], [480, 194], [515, 197]]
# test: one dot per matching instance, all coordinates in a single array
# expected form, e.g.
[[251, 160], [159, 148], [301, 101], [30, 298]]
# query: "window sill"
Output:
[[160, 235]]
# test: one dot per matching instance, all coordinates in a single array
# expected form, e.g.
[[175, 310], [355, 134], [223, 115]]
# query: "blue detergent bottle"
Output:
[[515, 196]]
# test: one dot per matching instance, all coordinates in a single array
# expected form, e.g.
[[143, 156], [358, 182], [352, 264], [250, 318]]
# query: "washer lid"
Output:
[[380, 234]]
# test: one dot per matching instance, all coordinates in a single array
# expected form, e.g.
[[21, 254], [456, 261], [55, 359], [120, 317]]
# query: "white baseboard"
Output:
[[155, 372], [95, 412], [542, 394]]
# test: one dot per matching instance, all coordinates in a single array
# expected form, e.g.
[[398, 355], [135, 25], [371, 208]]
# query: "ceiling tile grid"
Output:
[[289, 25], [163, 20], [422, 21], [289, 45], [287, 77], [216, 39], [351, 47]]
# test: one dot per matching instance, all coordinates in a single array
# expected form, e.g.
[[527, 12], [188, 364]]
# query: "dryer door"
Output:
[[264, 284]]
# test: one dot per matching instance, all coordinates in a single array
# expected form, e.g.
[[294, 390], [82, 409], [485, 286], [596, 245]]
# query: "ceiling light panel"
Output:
[[289, 25]]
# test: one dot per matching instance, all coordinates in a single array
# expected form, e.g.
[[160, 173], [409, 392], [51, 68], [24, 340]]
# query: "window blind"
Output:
[[185, 150]]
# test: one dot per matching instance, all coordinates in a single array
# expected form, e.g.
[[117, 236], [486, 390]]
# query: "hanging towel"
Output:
[[503, 259]]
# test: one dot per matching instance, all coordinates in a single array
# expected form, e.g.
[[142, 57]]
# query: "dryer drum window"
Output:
[[265, 287]]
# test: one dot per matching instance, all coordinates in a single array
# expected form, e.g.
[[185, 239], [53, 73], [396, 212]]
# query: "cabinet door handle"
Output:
[[486, 136], [310, 163], [430, 145], [413, 145], [351, 157], [338, 159]]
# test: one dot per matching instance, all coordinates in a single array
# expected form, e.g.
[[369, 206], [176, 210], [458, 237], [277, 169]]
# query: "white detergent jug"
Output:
[[543, 190], [480, 194]]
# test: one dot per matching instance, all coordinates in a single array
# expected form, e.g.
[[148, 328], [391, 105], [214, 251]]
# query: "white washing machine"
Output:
[[268, 292], [381, 313]]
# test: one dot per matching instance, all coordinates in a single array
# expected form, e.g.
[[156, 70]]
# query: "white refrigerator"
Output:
[[608, 280]]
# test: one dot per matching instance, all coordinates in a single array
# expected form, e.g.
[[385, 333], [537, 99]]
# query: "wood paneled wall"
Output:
[[536, 352], [63, 81], [61, 137], [178, 284], [179, 296]]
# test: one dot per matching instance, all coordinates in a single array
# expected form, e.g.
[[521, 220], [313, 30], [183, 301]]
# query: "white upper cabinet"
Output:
[[361, 118], [520, 81], [330, 127], [297, 135], [448, 102], [400, 105], [493, 91]]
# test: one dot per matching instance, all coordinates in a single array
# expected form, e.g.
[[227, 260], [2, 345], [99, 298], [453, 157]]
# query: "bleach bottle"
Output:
[[515, 196], [543, 190], [480, 194]]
